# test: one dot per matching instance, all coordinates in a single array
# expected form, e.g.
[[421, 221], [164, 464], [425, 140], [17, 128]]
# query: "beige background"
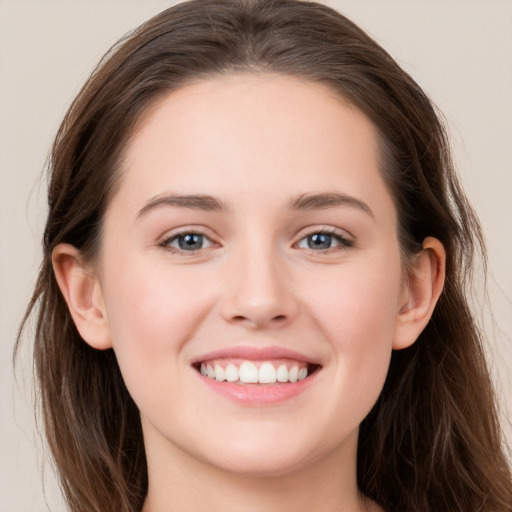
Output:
[[460, 52]]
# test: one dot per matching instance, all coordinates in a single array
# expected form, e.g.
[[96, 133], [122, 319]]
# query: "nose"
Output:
[[259, 292]]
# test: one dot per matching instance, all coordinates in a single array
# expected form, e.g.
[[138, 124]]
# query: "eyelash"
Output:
[[333, 234], [343, 242], [166, 243]]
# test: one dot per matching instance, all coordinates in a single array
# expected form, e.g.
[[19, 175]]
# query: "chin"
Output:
[[256, 466], [267, 456]]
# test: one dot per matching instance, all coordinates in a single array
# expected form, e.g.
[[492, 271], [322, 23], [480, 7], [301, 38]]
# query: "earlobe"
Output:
[[82, 293], [423, 288]]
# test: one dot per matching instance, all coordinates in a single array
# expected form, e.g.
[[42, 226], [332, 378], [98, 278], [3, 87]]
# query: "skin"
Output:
[[255, 143]]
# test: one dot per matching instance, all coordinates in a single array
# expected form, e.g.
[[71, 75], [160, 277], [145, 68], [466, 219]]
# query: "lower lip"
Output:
[[259, 394]]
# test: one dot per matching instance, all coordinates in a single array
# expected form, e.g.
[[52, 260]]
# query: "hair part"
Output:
[[432, 441]]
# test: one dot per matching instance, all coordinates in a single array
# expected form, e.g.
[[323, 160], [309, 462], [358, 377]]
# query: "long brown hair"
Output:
[[432, 441]]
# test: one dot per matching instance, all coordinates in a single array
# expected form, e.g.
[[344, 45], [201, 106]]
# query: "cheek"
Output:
[[358, 308], [152, 313], [357, 312]]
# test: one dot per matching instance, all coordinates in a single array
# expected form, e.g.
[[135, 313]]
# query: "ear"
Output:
[[83, 295], [422, 288]]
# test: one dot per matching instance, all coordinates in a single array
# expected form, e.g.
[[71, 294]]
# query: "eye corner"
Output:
[[324, 241], [187, 242]]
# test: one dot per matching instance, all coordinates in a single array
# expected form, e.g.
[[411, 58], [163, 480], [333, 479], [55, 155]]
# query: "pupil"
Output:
[[190, 242], [319, 241]]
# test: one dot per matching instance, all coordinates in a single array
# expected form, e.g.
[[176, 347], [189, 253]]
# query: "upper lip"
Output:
[[251, 353]]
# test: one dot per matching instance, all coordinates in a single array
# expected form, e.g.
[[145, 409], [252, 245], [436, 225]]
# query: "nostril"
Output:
[[260, 321]]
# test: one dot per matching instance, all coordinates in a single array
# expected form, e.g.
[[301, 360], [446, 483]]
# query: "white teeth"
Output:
[[267, 373], [219, 373], [232, 373], [248, 372], [282, 373]]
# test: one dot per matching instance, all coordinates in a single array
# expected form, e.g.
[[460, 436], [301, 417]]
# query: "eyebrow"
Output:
[[209, 203], [192, 201], [327, 200]]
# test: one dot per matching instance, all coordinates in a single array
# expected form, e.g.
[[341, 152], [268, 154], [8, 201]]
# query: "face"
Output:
[[250, 274]]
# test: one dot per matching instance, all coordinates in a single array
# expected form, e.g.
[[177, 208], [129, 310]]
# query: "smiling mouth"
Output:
[[245, 372]]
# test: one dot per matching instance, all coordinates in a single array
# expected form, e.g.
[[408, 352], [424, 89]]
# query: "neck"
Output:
[[179, 482]]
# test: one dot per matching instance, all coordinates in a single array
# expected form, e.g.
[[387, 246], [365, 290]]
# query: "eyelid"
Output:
[[164, 240], [346, 239]]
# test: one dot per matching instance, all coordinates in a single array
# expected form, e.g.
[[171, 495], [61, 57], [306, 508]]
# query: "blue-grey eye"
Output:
[[189, 242], [321, 241]]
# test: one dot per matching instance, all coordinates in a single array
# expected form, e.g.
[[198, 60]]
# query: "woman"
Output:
[[243, 293]]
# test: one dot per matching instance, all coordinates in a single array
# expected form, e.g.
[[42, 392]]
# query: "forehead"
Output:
[[258, 133]]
